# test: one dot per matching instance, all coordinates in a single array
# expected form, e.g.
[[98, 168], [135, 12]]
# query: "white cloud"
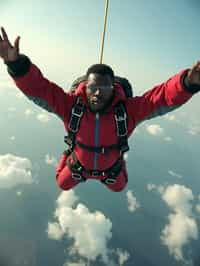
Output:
[[28, 112], [198, 204], [19, 193], [14, 170], [180, 230], [123, 256], [170, 117], [55, 231], [132, 201], [179, 198], [155, 130], [67, 199], [182, 227], [151, 187], [89, 230], [174, 174], [43, 117], [173, 118], [12, 138], [51, 160], [20, 95], [194, 130], [169, 139], [198, 208]]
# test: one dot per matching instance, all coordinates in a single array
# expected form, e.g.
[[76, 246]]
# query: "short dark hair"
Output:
[[100, 69]]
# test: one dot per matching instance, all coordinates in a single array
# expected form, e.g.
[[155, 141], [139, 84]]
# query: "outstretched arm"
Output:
[[31, 81], [192, 79], [165, 97]]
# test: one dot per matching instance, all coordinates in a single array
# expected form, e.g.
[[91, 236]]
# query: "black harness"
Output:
[[76, 167]]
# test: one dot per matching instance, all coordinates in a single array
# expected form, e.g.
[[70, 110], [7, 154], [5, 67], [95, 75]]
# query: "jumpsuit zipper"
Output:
[[96, 141]]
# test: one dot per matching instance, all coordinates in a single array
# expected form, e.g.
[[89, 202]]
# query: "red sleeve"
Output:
[[159, 100], [45, 93]]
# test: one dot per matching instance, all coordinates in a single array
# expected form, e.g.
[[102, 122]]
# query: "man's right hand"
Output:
[[8, 52]]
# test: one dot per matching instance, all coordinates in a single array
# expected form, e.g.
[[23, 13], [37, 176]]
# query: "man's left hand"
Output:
[[193, 75]]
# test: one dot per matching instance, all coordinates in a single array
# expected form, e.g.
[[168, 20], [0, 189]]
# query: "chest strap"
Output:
[[98, 149], [121, 121]]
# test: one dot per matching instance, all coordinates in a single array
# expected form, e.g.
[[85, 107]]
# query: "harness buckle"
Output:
[[77, 176], [121, 125], [121, 118], [78, 114], [109, 180]]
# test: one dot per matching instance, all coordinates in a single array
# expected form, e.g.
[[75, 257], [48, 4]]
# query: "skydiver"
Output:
[[98, 115]]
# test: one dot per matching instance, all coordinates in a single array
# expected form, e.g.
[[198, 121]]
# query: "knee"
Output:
[[63, 184], [116, 188], [120, 183]]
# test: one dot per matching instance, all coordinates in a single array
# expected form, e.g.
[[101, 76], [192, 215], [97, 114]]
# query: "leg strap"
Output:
[[78, 170], [114, 172]]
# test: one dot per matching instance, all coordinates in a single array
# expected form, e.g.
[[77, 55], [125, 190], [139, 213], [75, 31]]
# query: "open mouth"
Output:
[[96, 101]]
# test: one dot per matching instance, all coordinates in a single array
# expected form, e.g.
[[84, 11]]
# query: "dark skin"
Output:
[[99, 91]]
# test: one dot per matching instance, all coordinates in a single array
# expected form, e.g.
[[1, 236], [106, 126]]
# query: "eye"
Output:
[[103, 88]]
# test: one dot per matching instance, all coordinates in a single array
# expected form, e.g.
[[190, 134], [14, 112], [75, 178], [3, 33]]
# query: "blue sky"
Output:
[[147, 42]]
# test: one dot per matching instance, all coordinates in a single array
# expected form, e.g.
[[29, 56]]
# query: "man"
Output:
[[93, 127]]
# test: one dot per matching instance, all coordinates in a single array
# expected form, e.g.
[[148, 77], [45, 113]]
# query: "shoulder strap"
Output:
[[121, 120], [74, 123]]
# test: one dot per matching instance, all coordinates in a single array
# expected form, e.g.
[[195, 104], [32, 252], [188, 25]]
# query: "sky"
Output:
[[156, 219]]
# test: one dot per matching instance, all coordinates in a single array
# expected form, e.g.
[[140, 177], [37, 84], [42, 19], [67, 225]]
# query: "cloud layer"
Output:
[[51, 160], [182, 227], [43, 117], [133, 204], [89, 230], [154, 129], [157, 130], [14, 170]]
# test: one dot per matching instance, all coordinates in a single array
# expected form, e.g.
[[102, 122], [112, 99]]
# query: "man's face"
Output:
[[99, 91]]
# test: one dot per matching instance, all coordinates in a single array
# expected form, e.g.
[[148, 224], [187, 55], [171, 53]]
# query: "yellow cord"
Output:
[[104, 31]]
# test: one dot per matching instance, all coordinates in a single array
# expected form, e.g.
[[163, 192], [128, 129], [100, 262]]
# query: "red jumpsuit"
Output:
[[100, 130]]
